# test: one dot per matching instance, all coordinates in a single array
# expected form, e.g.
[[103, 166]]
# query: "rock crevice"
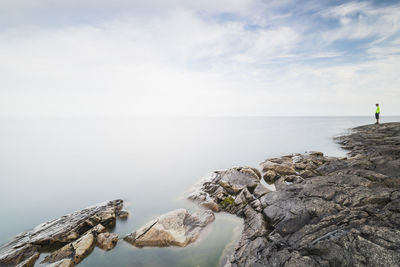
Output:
[[326, 211], [75, 232]]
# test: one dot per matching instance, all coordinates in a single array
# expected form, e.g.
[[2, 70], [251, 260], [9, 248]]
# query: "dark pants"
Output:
[[377, 116]]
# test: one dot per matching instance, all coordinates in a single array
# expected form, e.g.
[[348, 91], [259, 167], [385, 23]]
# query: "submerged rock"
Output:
[[175, 228], [106, 241], [326, 211], [123, 214], [26, 246]]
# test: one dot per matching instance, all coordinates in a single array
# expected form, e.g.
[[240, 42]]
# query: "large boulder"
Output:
[[175, 228]]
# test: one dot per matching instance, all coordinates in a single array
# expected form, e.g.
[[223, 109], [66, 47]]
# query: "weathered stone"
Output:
[[106, 241], [270, 176], [260, 190], [251, 171], [285, 168], [77, 250], [234, 180], [62, 263], [300, 166], [123, 214], [211, 205], [21, 252], [29, 262], [175, 228], [307, 174], [345, 213], [58, 231]]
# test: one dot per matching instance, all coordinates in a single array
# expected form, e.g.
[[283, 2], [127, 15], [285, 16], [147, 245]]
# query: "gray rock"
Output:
[[270, 176], [66, 229], [260, 190], [326, 211], [235, 180], [175, 228]]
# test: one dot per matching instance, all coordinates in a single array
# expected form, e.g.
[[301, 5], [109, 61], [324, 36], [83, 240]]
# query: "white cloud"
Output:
[[177, 60], [361, 20]]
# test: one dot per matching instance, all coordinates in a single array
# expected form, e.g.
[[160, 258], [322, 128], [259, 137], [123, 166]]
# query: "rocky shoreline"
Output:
[[71, 238], [325, 211], [77, 234]]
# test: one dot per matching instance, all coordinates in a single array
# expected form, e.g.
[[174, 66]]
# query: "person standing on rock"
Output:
[[377, 112]]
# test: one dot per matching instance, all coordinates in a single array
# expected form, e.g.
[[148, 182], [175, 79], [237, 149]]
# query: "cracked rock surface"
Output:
[[75, 232], [326, 211]]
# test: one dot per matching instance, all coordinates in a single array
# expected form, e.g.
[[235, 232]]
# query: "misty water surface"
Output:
[[52, 166]]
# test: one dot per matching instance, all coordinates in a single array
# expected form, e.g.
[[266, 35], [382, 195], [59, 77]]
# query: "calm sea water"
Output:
[[52, 166]]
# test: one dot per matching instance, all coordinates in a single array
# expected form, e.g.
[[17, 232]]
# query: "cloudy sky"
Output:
[[202, 57]]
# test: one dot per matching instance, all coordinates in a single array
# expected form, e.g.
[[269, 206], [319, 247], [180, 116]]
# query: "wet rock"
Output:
[[211, 205], [123, 214], [77, 250], [29, 261], [66, 229], [62, 263], [175, 228], [326, 211], [106, 241]]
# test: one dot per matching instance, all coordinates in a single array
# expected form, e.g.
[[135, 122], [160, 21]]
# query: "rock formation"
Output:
[[76, 231], [325, 212], [175, 228]]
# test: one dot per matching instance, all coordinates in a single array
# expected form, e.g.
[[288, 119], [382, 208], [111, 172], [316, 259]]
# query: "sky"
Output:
[[199, 58]]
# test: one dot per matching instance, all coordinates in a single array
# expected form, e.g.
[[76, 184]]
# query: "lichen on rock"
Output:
[[326, 211]]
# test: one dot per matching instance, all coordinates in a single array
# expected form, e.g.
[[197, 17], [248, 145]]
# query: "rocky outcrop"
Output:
[[175, 228], [325, 212], [229, 190], [76, 251], [76, 232], [293, 168]]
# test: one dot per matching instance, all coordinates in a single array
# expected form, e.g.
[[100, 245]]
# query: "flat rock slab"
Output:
[[26, 246], [175, 228]]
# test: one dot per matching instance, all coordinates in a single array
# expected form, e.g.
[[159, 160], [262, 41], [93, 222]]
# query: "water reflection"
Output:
[[53, 166]]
